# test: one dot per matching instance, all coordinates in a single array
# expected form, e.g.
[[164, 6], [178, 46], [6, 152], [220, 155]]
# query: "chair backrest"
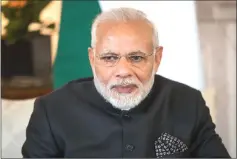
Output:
[[15, 118], [209, 95]]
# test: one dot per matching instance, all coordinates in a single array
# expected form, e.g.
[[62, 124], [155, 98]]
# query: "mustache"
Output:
[[123, 82]]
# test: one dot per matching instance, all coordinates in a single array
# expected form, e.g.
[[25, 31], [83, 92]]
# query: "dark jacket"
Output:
[[75, 121]]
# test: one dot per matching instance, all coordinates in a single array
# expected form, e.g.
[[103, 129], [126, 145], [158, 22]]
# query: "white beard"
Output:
[[124, 101]]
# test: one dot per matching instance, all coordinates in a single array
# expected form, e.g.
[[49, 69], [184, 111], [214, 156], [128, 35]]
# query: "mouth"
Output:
[[125, 88]]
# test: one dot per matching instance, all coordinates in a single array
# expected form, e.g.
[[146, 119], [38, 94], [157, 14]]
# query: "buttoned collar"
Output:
[[92, 96]]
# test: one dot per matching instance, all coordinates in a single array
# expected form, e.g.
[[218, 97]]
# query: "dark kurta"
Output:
[[75, 121]]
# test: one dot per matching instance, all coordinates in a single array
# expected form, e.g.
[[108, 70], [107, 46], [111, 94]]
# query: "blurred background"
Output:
[[44, 46]]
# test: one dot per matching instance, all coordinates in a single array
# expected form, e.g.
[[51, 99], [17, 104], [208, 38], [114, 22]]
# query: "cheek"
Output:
[[103, 74], [145, 73]]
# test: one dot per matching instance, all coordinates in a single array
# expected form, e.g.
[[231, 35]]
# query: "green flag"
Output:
[[74, 39]]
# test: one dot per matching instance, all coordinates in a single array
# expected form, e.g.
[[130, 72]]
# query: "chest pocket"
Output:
[[168, 146]]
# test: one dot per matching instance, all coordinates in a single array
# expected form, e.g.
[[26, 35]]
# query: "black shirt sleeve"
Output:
[[39, 139], [207, 142]]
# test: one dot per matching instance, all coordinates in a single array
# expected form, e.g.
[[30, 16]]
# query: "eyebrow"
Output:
[[136, 52], [109, 52]]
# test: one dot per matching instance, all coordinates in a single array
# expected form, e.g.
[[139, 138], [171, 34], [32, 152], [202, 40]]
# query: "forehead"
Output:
[[123, 37]]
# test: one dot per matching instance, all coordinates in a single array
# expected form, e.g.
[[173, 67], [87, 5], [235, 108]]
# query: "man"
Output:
[[125, 110]]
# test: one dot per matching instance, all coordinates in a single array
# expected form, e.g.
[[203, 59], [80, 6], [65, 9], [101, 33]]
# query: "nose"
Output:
[[123, 68]]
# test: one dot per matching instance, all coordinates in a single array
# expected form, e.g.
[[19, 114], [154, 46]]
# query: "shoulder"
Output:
[[181, 97], [67, 92], [176, 88]]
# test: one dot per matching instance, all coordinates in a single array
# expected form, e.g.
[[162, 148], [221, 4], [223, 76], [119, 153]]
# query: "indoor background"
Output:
[[199, 40]]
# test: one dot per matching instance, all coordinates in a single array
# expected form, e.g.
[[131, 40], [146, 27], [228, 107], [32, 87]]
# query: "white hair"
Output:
[[124, 15]]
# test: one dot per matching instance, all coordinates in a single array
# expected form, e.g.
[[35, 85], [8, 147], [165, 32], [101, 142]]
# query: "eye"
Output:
[[136, 58], [109, 58]]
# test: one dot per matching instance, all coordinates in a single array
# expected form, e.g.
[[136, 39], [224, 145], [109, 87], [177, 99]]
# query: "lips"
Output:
[[125, 89]]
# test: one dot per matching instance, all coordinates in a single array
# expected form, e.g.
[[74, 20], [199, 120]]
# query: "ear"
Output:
[[91, 56], [158, 56]]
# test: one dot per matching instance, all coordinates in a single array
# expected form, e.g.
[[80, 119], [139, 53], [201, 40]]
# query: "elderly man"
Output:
[[125, 110]]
